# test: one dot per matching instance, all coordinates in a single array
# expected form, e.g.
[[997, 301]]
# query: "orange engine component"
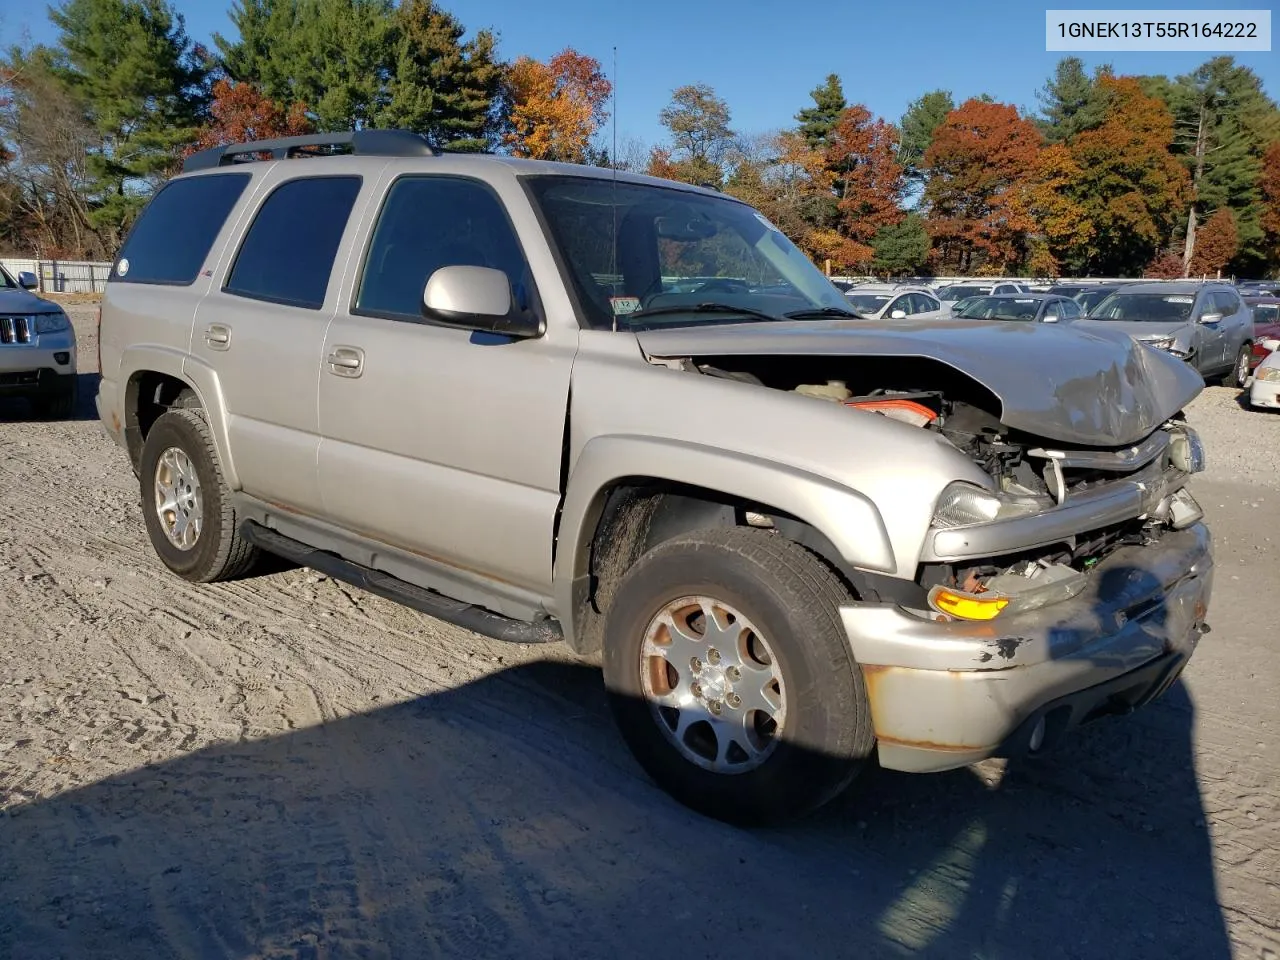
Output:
[[908, 411]]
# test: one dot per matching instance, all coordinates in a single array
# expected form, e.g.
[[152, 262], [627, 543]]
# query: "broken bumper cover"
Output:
[[946, 694]]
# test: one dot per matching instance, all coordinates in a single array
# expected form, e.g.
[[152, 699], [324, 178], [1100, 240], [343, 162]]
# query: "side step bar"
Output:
[[430, 602]]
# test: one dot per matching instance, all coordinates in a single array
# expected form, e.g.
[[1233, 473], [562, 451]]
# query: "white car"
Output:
[[882, 301], [1264, 392]]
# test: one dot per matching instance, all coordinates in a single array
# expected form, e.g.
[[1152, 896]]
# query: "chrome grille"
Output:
[[16, 330]]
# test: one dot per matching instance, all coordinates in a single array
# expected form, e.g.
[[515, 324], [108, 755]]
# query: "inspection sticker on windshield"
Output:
[[624, 305], [1179, 299]]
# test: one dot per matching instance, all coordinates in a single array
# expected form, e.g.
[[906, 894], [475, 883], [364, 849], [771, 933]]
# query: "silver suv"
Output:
[[1204, 323], [554, 402]]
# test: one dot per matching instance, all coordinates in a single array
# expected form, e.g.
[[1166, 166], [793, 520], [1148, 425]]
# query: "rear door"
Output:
[[262, 330], [440, 441], [1213, 335]]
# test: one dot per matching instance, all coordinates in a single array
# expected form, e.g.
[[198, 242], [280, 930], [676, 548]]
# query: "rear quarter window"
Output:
[[288, 253], [172, 237]]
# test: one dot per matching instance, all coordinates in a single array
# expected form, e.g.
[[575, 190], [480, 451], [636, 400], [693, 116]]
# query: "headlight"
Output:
[[52, 322], [1162, 343], [1269, 374], [962, 504], [1186, 452], [1270, 344]]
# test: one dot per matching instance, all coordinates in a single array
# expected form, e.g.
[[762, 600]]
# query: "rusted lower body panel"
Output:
[[946, 694]]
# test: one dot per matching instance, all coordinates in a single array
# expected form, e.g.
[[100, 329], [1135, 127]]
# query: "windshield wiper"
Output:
[[813, 313], [700, 308]]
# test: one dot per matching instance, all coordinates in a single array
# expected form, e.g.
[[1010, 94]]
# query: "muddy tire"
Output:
[[185, 502], [731, 679]]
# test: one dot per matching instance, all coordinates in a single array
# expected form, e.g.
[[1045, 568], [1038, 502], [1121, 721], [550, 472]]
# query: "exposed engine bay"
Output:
[[932, 396]]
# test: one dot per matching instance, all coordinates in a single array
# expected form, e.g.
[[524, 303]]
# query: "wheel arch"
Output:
[[627, 494]]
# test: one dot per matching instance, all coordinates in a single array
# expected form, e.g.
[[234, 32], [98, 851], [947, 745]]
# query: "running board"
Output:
[[430, 602]]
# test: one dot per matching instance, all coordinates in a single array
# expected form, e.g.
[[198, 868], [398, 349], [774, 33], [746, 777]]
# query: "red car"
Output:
[[1266, 325]]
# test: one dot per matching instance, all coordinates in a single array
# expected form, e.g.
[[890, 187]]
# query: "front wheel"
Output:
[[730, 675]]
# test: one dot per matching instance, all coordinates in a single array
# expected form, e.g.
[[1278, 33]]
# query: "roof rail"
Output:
[[367, 143]]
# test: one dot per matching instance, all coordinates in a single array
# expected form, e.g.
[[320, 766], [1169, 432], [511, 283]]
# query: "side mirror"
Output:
[[1210, 317], [476, 298], [27, 280], [898, 315], [1050, 318]]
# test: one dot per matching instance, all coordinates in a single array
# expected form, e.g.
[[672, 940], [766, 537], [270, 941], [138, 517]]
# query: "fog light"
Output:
[[1186, 452], [62, 357], [1037, 736]]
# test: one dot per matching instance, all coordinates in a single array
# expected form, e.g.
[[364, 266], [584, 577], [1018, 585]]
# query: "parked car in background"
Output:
[[1258, 288], [958, 291], [1027, 307], [1094, 294], [874, 301], [1266, 326], [1264, 391], [37, 349], [1204, 323], [817, 544], [1066, 289]]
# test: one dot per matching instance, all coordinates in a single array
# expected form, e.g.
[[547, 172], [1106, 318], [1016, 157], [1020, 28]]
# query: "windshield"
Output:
[[675, 250], [960, 291], [1001, 308], [1088, 299], [1145, 307], [868, 302]]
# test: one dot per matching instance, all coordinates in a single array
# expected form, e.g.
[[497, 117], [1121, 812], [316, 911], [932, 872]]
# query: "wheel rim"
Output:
[[1242, 368], [713, 685], [179, 499]]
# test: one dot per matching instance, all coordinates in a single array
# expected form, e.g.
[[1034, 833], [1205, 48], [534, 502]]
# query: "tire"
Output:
[[60, 406], [217, 551], [790, 599], [1239, 374]]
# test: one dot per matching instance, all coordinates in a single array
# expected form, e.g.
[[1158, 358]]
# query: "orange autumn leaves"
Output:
[[555, 107]]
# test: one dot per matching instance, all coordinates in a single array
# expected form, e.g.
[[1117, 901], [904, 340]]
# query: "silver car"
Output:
[[554, 402], [876, 301], [1204, 323], [37, 349]]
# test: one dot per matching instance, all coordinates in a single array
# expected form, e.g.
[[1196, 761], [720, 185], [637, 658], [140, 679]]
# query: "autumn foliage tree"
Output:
[[1217, 242], [978, 164], [861, 161], [1052, 199], [555, 107], [1270, 189], [1131, 188], [240, 112]]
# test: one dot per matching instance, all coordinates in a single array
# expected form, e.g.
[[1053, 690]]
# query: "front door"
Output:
[[436, 440]]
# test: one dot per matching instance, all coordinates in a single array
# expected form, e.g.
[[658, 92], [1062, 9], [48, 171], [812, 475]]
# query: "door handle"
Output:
[[346, 361], [217, 336]]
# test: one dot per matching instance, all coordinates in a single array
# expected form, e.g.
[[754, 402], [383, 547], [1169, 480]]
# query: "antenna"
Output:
[[613, 162]]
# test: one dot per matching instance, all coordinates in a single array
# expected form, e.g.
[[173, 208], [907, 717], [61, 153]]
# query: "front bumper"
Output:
[[37, 368], [1265, 394], [946, 694]]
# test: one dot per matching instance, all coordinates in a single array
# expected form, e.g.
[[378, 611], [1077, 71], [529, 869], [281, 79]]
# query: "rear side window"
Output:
[[288, 253], [171, 239]]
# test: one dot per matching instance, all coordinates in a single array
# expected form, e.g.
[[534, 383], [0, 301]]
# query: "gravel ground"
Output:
[[287, 767]]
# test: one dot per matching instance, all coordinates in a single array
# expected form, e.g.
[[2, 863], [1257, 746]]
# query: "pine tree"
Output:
[[816, 122], [919, 123], [1071, 102]]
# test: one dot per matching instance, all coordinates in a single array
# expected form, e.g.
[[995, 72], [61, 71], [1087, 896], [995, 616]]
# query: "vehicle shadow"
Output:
[[14, 409], [504, 819]]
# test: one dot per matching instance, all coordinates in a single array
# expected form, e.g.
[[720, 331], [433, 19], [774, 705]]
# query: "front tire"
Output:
[[59, 406], [1239, 375], [730, 676], [186, 505]]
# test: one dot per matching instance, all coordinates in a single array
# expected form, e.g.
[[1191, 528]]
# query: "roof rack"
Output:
[[367, 143]]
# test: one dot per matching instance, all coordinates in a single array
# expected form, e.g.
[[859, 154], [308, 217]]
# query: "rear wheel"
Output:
[[186, 504], [730, 676]]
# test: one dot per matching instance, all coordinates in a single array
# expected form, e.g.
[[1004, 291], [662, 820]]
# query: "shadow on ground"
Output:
[[16, 409], [504, 819]]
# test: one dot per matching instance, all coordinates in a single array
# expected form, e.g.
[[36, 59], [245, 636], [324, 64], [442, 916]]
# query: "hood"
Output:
[[20, 301], [1142, 329], [1082, 385]]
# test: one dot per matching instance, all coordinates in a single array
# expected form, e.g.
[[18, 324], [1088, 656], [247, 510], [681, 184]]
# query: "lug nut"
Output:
[[695, 663], [713, 655], [716, 707], [734, 700], [734, 674], [695, 689]]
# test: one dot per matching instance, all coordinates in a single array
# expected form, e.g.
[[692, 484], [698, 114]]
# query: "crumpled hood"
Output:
[[20, 301], [1091, 386], [1139, 329]]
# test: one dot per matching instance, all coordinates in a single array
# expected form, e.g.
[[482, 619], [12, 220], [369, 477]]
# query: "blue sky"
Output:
[[764, 58]]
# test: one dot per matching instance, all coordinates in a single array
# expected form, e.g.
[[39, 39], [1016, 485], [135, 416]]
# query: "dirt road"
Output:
[[286, 767]]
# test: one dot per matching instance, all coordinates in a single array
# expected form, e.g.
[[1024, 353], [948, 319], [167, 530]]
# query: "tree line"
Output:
[[1109, 175]]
